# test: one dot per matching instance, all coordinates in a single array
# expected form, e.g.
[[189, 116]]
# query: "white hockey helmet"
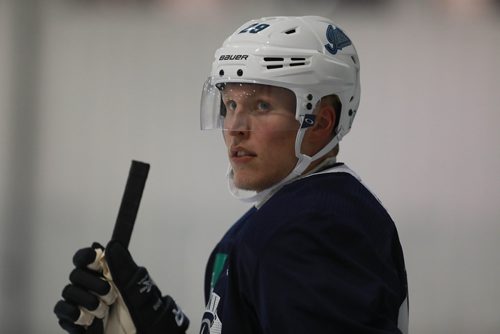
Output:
[[308, 55]]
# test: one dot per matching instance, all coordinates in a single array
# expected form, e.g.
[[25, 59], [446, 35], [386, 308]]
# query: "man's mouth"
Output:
[[242, 154], [239, 153]]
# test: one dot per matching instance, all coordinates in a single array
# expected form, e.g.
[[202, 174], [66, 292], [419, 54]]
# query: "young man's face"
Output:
[[259, 132]]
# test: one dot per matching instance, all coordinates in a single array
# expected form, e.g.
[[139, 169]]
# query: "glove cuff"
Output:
[[178, 319]]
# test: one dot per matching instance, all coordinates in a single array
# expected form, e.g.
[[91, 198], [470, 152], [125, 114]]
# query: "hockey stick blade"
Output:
[[131, 200]]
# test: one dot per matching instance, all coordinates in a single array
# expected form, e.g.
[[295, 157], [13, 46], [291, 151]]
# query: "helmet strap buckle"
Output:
[[308, 120]]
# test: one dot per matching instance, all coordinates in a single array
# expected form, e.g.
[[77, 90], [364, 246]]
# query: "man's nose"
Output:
[[238, 123]]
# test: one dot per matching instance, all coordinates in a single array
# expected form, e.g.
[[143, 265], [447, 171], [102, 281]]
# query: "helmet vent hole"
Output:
[[291, 31], [354, 60], [273, 59], [297, 61], [351, 112], [279, 60], [352, 98]]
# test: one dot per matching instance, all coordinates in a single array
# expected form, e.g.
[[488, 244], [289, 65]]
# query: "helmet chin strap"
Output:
[[303, 162]]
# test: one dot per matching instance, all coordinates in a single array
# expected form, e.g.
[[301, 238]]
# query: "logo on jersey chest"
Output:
[[211, 323], [219, 262]]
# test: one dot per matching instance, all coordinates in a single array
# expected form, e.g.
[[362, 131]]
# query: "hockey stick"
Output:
[[131, 200]]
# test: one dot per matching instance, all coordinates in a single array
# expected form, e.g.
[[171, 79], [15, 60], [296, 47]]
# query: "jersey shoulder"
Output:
[[323, 201]]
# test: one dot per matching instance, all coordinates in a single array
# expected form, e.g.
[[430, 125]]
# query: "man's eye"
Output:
[[231, 105], [263, 106]]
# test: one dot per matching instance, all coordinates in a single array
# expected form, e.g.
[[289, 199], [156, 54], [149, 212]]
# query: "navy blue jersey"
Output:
[[322, 255]]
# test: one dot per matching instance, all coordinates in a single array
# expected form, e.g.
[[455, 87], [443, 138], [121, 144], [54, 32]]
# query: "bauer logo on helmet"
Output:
[[233, 57]]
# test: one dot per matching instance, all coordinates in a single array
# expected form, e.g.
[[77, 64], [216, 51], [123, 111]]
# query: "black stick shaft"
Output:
[[131, 200]]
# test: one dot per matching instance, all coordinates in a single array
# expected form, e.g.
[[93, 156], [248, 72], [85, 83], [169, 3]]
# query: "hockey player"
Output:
[[317, 252]]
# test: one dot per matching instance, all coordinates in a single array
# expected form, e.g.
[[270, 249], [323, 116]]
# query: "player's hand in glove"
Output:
[[139, 306], [87, 298], [151, 312]]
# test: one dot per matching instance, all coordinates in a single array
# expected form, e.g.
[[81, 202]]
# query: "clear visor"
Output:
[[247, 107]]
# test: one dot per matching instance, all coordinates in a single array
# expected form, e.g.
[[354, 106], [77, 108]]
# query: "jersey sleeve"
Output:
[[315, 276]]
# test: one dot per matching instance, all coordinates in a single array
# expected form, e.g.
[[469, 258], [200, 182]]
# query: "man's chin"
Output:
[[250, 185], [244, 183], [244, 186]]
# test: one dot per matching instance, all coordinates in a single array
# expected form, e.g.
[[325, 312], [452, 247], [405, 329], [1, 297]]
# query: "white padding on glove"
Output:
[[85, 318], [111, 296], [96, 265], [101, 311], [118, 319]]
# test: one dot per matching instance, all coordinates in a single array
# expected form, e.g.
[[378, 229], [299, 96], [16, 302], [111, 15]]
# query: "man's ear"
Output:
[[317, 136], [325, 122]]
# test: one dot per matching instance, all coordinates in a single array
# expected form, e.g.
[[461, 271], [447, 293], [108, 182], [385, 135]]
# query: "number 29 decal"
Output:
[[254, 28]]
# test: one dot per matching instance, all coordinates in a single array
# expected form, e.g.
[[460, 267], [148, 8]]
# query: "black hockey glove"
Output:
[[139, 306], [87, 299]]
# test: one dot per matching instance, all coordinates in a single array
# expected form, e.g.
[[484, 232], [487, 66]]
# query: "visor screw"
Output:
[[309, 97], [240, 72], [309, 106], [221, 72]]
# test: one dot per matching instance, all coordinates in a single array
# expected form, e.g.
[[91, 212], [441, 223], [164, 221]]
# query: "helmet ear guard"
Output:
[[308, 55]]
